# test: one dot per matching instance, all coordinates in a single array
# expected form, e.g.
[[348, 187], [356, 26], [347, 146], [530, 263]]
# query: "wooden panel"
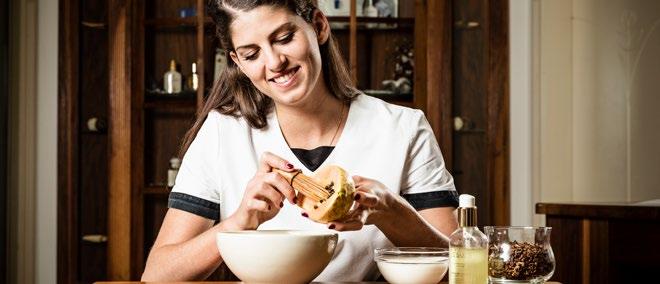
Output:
[[120, 129], [567, 248], [606, 248], [470, 101], [164, 130], [421, 72], [137, 138], [497, 166], [67, 147], [598, 257], [165, 9], [437, 38], [93, 98], [4, 137], [155, 207], [633, 251]]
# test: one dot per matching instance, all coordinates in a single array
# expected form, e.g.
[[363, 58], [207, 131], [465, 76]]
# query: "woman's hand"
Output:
[[373, 202], [265, 193]]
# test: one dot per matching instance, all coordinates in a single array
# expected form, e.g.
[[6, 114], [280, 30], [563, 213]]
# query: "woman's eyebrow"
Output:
[[273, 34]]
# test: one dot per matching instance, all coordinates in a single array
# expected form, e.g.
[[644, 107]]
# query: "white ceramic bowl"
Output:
[[417, 265], [270, 256]]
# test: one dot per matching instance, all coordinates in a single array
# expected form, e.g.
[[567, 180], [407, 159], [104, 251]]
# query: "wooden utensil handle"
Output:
[[304, 184]]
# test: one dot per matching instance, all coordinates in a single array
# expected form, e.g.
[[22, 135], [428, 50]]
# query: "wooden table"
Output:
[[604, 243], [213, 282]]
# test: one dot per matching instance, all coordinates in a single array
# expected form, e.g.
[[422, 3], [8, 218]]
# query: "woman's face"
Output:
[[279, 52]]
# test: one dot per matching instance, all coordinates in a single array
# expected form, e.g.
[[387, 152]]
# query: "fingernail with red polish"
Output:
[[289, 166], [281, 204], [268, 207], [332, 226], [295, 200], [305, 215], [357, 197]]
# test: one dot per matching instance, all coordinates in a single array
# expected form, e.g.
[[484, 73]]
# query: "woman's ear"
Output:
[[321, 26], [234, 58]]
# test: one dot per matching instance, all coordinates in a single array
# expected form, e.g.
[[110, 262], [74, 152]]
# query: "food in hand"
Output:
[[326, 196]]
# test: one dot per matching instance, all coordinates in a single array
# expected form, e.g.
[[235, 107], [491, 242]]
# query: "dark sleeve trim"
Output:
[[433, 199], [195, 205]]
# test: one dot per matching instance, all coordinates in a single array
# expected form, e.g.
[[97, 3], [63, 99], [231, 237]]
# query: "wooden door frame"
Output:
[[67, 142], [498, 171], [4, 137], [433, 43]]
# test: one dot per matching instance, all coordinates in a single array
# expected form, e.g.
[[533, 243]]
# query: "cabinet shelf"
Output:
[[173, 22], [183, 102], [156, 190], [382, 20], [372, 24], [389, 95]]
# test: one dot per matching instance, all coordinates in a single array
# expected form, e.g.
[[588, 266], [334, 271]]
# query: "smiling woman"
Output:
[[285, 104]]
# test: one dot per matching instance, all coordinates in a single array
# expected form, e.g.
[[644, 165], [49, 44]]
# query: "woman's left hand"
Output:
[[373, 202]]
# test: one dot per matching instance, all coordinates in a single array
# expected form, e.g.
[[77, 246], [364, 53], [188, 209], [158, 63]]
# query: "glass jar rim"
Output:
[[409, 255], [519, 227]]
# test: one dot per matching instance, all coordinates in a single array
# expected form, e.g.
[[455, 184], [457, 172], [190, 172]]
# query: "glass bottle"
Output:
[[370, 10], [468, 247], [193, 80], [172, 79], [175, 163]]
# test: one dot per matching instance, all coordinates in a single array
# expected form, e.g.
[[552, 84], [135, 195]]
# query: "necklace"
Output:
[[341, 116]]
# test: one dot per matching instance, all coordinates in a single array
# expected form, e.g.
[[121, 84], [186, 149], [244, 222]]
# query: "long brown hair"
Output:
[[234, 94]]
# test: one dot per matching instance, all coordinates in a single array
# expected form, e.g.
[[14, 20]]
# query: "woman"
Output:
[[286, 102]]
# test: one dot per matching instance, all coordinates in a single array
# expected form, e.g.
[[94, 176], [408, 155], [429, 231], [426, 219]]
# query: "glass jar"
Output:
[[519, 254]]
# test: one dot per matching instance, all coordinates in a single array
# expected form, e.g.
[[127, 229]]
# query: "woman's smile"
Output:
[[285, 79]]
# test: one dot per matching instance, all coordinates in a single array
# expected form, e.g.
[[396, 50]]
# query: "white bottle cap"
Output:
[[465, 201], [175, 163]]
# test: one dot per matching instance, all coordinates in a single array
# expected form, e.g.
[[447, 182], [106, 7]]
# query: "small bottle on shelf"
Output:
[[193, 80], [175, 163], [370, 10], [172, 79], [468, 247]]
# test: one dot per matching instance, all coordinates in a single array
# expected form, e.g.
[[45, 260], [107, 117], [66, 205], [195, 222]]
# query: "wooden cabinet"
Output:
[[603, 243], [146, 128]]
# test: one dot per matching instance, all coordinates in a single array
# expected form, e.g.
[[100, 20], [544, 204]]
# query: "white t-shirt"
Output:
[[389, 143]]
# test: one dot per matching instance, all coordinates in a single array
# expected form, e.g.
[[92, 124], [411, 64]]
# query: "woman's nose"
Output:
[[275, 61]]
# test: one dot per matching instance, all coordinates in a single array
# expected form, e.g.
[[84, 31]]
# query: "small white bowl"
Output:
[[271, 256], [418, 265]]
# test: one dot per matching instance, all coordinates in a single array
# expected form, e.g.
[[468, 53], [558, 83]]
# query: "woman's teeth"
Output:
[[284, 78]]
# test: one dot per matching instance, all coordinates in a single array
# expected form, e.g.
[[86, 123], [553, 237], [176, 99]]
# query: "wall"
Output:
[[584, 95], [600, 64], [46, 193], [32, 170], [520, 106], [22, 132]]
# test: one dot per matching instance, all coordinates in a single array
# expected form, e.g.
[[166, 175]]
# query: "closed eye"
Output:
[[285, 39], [251, 57]]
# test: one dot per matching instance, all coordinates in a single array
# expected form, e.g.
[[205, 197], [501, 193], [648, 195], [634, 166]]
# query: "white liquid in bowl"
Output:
[[413, 269]]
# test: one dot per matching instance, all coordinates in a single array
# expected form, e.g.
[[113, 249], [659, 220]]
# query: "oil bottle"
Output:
[[468, 247]]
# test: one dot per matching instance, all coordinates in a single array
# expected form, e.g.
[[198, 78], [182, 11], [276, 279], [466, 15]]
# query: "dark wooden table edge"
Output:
[[600, 210]]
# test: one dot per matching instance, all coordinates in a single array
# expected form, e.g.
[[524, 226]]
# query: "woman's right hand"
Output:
[[265, 193]]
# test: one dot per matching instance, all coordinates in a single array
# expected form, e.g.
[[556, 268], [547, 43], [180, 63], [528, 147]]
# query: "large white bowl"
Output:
[[270, 256]]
